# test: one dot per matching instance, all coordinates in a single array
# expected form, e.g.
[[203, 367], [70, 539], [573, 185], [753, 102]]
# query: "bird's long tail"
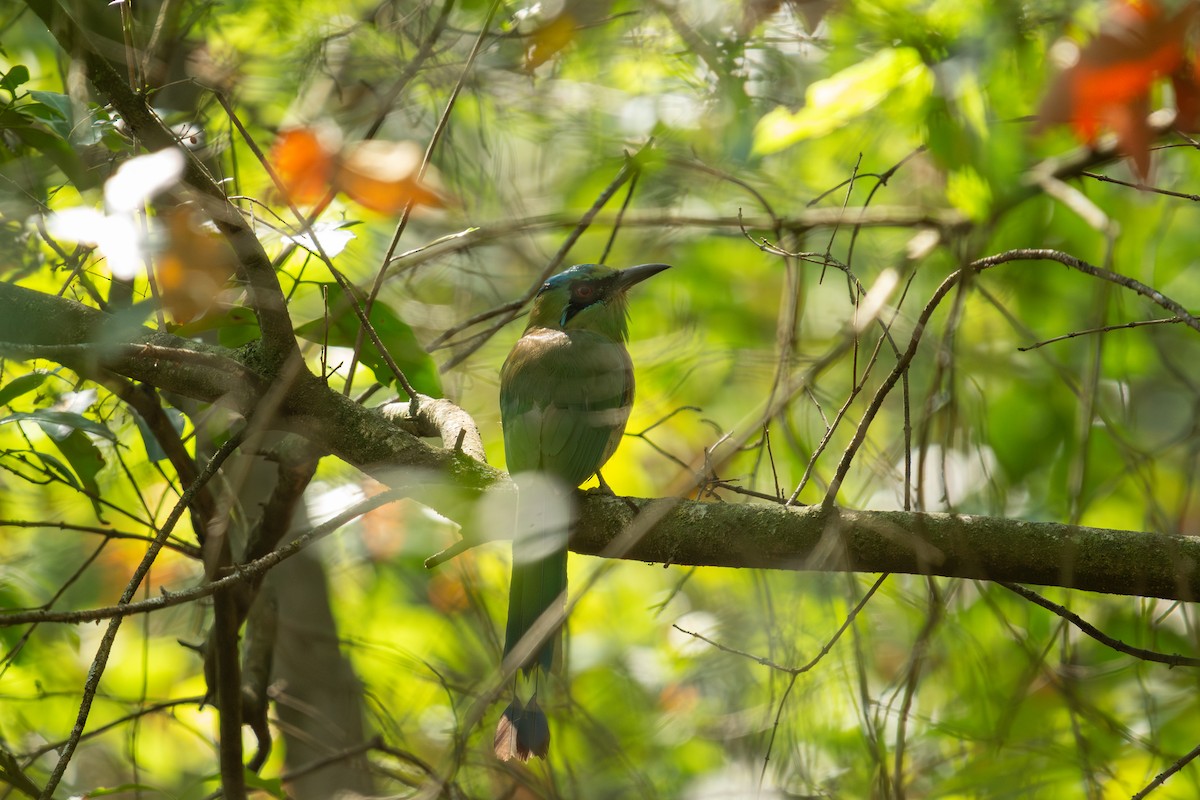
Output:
[[539, 582], [537, 585]]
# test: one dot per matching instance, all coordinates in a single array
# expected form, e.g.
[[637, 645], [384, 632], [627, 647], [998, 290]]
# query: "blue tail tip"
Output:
[[523, 732]]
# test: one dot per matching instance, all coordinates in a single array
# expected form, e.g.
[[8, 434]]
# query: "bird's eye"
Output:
[[585, 291]]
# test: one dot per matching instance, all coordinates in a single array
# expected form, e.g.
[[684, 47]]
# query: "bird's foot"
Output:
[[603, 488]]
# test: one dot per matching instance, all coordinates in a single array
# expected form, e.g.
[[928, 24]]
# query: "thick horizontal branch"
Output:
[[716, 534], [38, 325], [952, 546], [692, 533]]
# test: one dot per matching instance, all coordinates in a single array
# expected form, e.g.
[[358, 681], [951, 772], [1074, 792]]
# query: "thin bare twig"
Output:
[[988, 262], [239, 574], [436, 137], [110, 634], [508, 311], [1172, 660], [307, 227], [183, 548], [1161, 778], [1141, 187], [612, 237], [824, 651], [1140, 323]]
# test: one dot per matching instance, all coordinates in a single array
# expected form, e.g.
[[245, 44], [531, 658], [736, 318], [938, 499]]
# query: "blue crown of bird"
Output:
[[565, 394]]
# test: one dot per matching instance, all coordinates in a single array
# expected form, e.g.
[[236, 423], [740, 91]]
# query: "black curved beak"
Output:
[[633, 275]]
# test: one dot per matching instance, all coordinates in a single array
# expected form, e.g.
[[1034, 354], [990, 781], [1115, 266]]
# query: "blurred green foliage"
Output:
[[939, 689]]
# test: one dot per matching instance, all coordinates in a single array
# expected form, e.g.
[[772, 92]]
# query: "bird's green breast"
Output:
[[564, 401]]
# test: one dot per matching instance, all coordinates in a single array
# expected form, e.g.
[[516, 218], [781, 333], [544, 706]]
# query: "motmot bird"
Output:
[[565, 394]]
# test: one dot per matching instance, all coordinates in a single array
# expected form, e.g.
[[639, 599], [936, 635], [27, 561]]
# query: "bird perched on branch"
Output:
[[565, 394]]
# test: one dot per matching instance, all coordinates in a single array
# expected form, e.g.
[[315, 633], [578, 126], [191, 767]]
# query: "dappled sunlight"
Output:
[[583, 400]]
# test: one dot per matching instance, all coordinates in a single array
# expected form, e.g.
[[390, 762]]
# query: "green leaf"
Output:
[[85, 458], [272, 786], [40, 111], [969, 192], [842, 98], [66, 418], [123, 789], [55, 464], [235, 326], [60, 121], [154, 450], [57, 149], [21, 385], [234, 336], [332, 236], [14, 78], [395, 334]]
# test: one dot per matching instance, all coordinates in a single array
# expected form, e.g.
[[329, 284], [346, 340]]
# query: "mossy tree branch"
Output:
[[686, 532]]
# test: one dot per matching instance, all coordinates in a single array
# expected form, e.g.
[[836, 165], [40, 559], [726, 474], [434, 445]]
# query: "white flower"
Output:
[[116, 232]]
